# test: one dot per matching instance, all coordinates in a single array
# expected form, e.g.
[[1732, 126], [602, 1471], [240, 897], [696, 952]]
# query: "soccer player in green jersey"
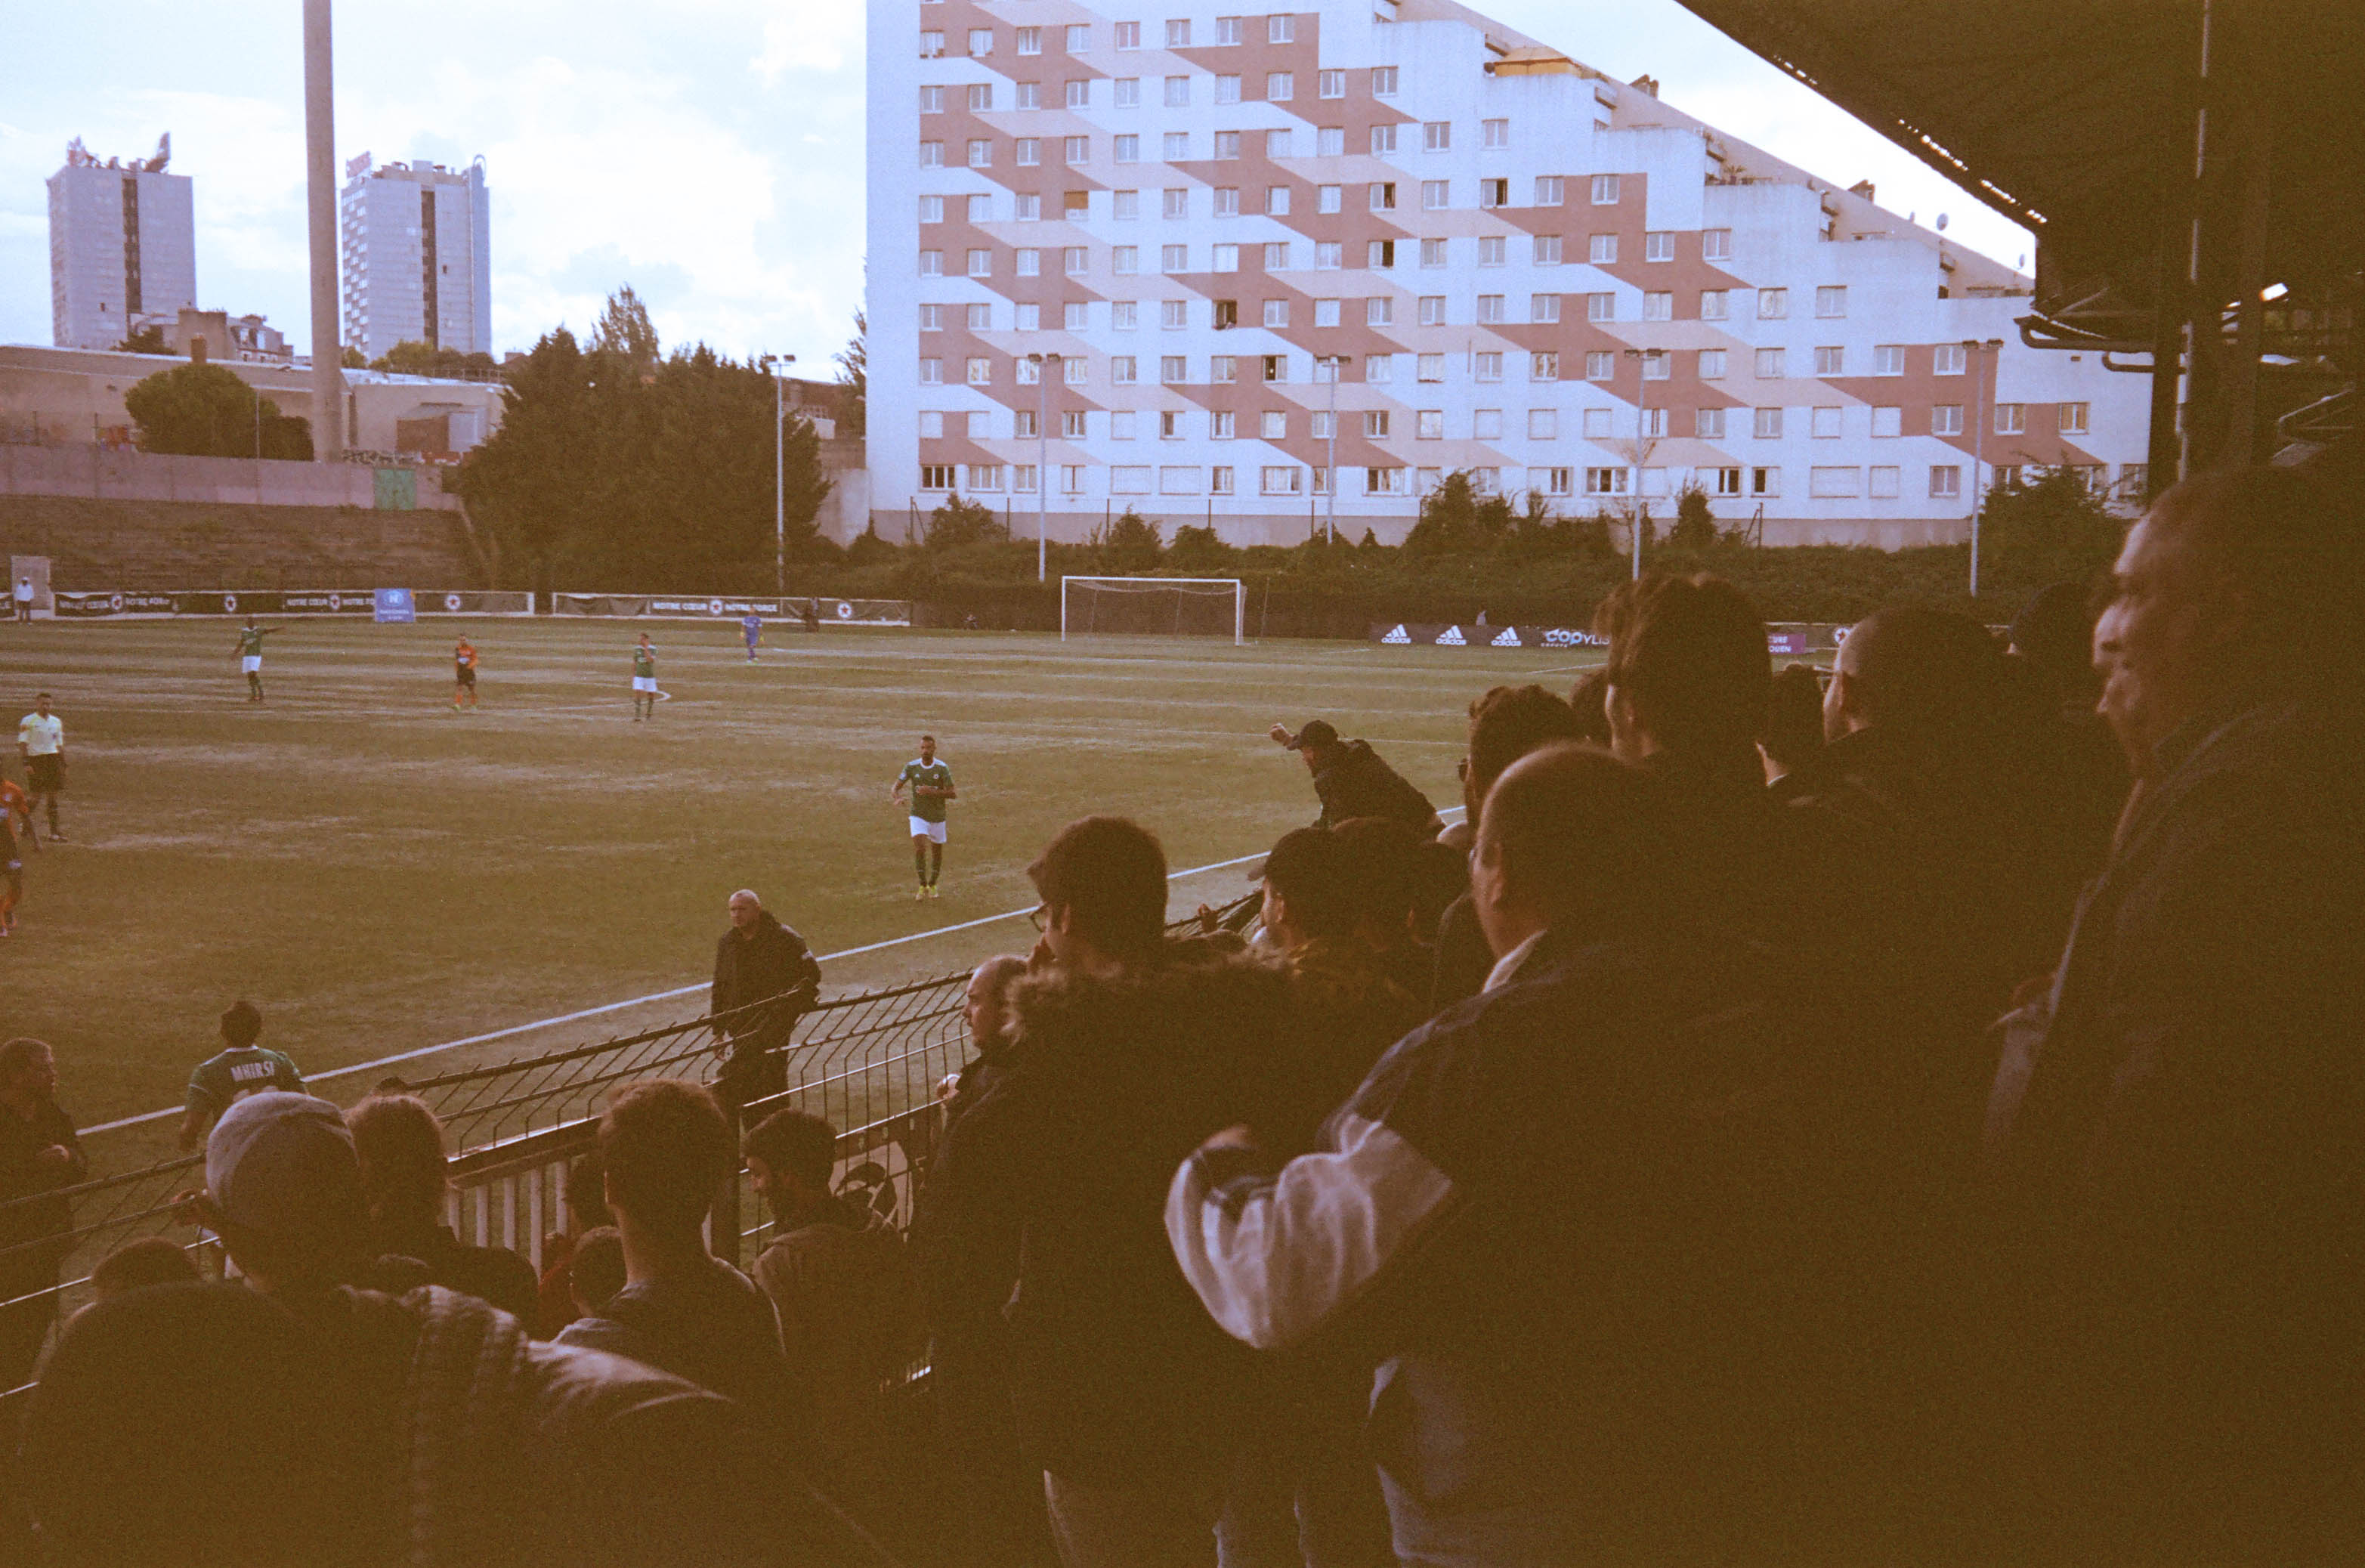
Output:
[[931, 783], [644, 681], [242, 1067], [250, 656]]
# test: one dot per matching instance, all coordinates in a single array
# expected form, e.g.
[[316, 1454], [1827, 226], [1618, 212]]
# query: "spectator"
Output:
[[1524, 1212], [1506, 724], [2181, 1175], [1352, 782], [757, 960], [1394, 878], [597, 1271], [466, 1442], [39, 1155], [137, 1265], [666, 1149], [1344, 1007], [1589, 699], [964, 1241], [242, 1067], [1129, 1053], [586, 1210], [836, 1273], [146, 1392], [400, 1146], [2052, 649], [1790, 743]]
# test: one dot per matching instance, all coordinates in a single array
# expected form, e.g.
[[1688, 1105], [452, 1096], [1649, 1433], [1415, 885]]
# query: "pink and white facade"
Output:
[[1518, 267]]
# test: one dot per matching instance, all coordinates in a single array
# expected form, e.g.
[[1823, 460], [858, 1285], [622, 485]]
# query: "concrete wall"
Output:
[[155, 544], [93, 473]]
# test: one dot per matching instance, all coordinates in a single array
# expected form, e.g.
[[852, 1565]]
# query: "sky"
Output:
[[707, 152]]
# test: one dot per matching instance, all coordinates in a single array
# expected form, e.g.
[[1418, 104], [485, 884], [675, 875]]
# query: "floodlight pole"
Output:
[[1042, 363], [1981, 408], [780, 479], [1330, 491], [1642, 369]]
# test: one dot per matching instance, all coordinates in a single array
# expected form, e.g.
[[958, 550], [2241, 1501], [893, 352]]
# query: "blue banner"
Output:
[[394, 604]]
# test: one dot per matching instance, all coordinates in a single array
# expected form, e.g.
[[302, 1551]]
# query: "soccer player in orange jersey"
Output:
[[463, 674], [16, 809]]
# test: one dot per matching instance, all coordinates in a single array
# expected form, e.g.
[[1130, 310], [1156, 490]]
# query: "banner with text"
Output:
[[1782, 639], [289, 602], [729, 607]]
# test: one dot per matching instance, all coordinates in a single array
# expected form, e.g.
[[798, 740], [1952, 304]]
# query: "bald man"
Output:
[[2183, 1160], [1515, 1219], [757, 960]]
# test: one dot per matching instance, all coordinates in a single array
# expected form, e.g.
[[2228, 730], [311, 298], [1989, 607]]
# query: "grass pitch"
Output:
[[379, 873]]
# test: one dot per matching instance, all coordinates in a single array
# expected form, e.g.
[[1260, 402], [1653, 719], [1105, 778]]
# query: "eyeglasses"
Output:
[[1041, 915]]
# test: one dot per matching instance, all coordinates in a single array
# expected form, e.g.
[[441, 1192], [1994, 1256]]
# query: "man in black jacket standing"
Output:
[[38, 1154], [756, 959], [1354, 782]]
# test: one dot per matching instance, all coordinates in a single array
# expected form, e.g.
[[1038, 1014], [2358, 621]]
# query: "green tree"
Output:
[[957, 522], [2053, 528], [1450, 521], [1198, 548], [1128, 544], [351, 358], [147, 340], [206, 410], [854, 375], [411, 357], [624, 329], [1694, 521]]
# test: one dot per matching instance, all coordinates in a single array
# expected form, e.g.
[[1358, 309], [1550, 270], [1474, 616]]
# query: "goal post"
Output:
[[1174, 607]]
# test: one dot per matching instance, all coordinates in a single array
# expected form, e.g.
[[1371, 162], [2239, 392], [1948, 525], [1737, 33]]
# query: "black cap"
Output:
[[1318, 736]]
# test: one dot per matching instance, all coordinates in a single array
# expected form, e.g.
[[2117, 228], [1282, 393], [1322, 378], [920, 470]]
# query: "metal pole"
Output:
[[1042, 461], [1331, 509], [320, 198], [779, 498], [1978, 458], [1639, 418]]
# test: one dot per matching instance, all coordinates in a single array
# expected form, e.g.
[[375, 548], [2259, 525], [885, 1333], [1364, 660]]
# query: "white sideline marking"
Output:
[[655, 996]]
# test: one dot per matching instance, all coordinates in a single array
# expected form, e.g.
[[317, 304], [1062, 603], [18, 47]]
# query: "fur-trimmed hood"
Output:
[[1197, 986]]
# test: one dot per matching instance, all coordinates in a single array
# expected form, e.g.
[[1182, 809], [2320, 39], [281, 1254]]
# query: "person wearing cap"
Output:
[[39, 1155], [1354, 781], [478, 1444], [240, 1068]]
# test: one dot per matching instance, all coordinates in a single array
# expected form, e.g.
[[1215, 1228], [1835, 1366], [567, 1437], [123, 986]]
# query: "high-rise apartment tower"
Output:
[[418, 259], [123, 250]]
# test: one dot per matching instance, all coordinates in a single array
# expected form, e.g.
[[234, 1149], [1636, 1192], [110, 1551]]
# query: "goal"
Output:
[[1164, 607]]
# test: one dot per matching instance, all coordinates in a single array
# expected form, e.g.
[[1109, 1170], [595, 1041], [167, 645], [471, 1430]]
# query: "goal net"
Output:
[[1160, 607]]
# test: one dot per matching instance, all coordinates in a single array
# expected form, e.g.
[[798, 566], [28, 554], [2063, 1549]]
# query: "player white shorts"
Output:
[[252, 664], [644, 683], [933, 832]]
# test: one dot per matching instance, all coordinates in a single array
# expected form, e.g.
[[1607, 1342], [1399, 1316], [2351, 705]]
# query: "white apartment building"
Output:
[[418, 256], [1514, 265], [123, 249]]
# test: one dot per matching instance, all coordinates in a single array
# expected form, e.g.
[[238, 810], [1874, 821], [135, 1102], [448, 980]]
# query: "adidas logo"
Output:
[[1399, 635], [1451, 638], [1510, 638]]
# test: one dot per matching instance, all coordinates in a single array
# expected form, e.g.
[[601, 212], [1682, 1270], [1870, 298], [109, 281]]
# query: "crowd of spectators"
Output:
[[1909, 1116]]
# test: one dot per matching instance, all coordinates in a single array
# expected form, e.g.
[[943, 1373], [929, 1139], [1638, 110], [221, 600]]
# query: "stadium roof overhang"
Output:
[[2178, 160]]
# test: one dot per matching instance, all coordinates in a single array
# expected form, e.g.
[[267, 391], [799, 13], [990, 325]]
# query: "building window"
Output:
[[1178, 33], [1605, 481], [1175, 203], [1026, 207], [1486, 424], [1227, 89], [1494, 193], [1486, 365], [1221, 425], [1030, 319], [981, 42], [1716, 244], [1658, 365], [1172, 369], [1326, 312], [1825, 424], [1835, 483], [1551, 481], [1383, 195], [1727, 481], [1714, 303], [1383, 140], [1434, 196], [1605, 190], [1125, 206], [2010, 418], [1946, 419], [1543, 367], [1830, 360], [1076, 148], [1281, 28], [1178, 92], [932, 372], [1227, 144], [1600, 365], [1428, 424], [1551, 191], [1543, 307], [1883, 482], [1380, 253], [1384, 482], [1022, 425], [1543, 424], [1379, 367], [2073, 419], [1431, 368], [1947, 358], [932, 318], [1332, 84], [1280, 86], [936, 475], [1888, 359], [1831, 300], [1384, 82], [1653, 421], [1772, 304], [1495, 132], [1767, 426], [1223, 370], [1174, 257], [1597, 424], [1436, 136], [1490, 309], [1658, 306], [932, 100], [932, 209], [1127, 150], [1030, 41], [1030, 262], [1227, 29], [1173, 314], [1030, 94], [980, 263], [1124, 258], [1769, 365], [1179, 479], [1708, 424], [932, 45], [1274, 424], [981, 371], [1491, 250], [1887, 421], [980, 318], [1282, 479], [1027, 152], [1547, 250], [1659, 246], [1711, 365], [1318, 425], [1123, 370], [1226, 259], [1601, 306], [1603, 250]]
